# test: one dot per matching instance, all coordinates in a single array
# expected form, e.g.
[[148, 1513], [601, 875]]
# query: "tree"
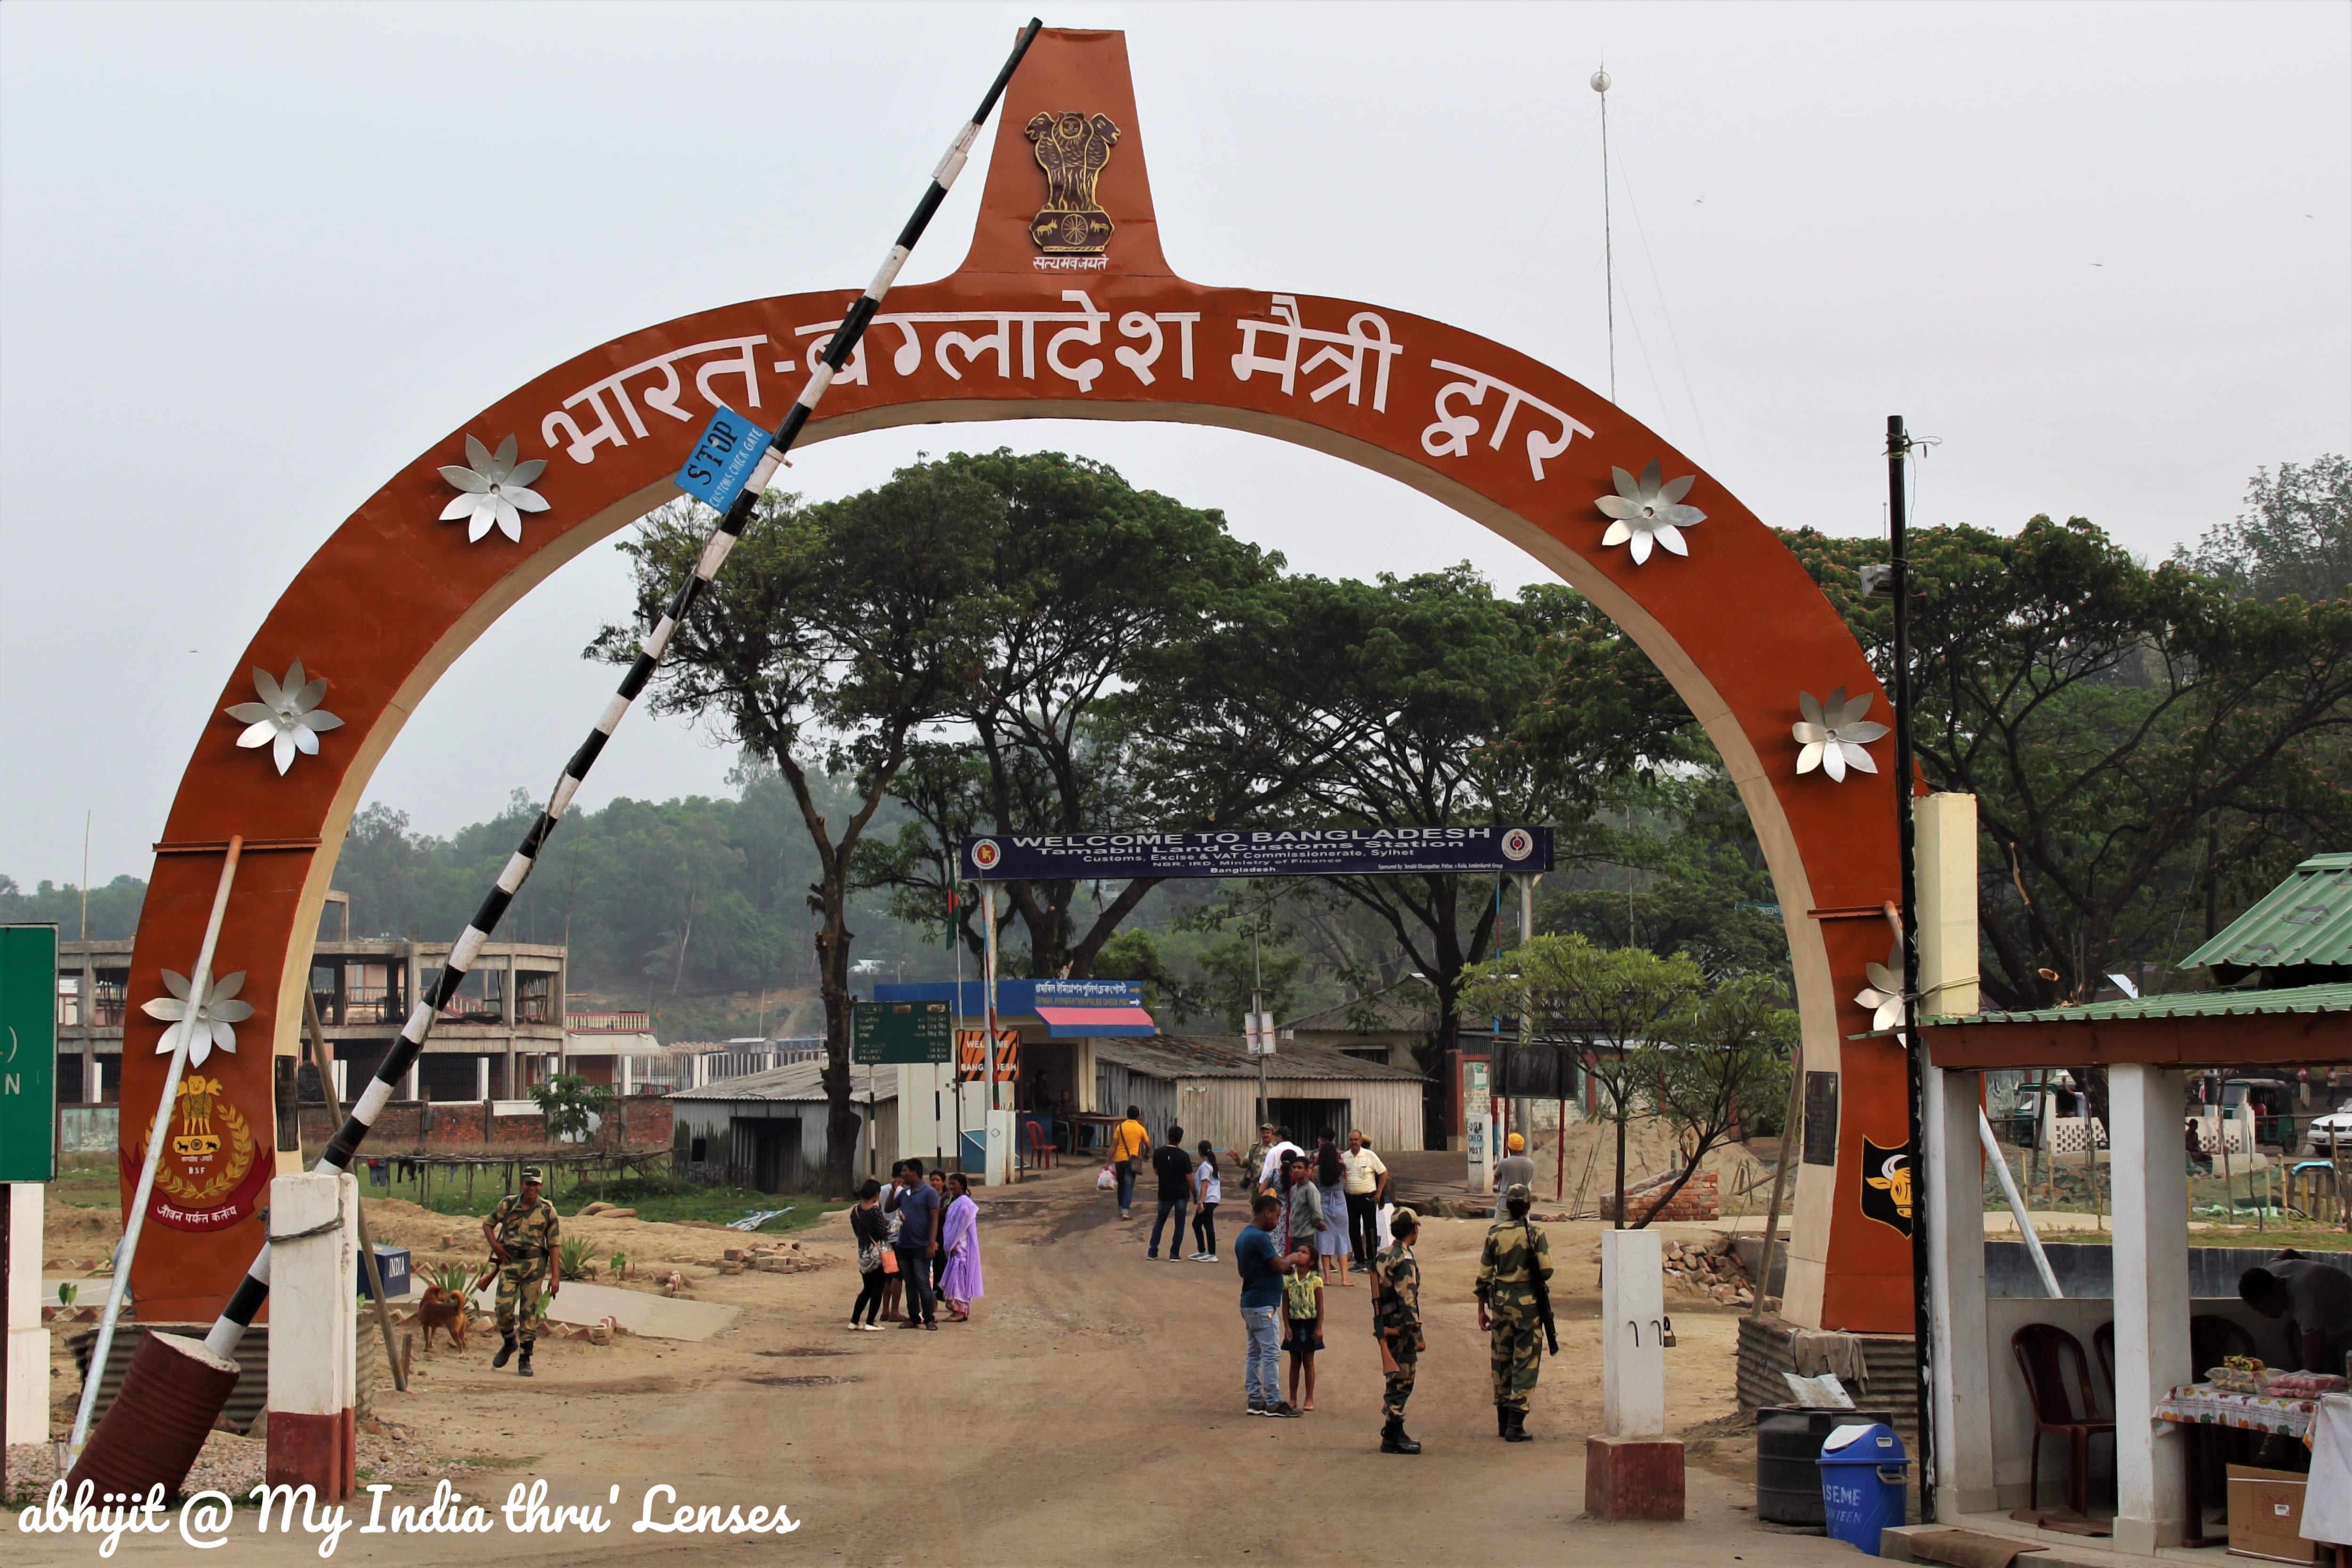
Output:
[[1731, 1054], [1429, 702], [2294, 535], [1096, 579], [2134, 738], [1628, 1003], [838, 632], [570, 1104], [1683, 874]]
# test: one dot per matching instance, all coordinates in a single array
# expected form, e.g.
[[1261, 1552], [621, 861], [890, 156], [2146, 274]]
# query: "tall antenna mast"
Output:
[[1608, 248]]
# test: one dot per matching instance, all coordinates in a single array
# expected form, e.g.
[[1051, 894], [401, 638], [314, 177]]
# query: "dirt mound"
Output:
[[1650, 1150]]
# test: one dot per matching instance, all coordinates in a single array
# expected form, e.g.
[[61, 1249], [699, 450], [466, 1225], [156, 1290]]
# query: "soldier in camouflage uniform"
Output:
[[1515, 1255], [524, 1235], [1396, 1323]]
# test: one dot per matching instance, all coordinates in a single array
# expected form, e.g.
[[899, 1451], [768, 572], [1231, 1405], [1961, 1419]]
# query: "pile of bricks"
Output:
[[1700, 1200]]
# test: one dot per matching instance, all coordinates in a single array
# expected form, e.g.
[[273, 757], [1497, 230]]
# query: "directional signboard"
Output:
[[1268, 852], [887, 1033], [28, 1053]]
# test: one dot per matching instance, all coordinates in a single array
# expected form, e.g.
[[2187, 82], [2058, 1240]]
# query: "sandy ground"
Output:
[[1093, 1408]]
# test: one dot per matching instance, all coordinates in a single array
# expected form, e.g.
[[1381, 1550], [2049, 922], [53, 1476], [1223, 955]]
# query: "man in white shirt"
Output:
[[1276, 1139], [1366, 1184]]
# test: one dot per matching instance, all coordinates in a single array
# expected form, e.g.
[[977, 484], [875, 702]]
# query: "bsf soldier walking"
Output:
[[1396, 1323], [1514, 1283], [523, 1233]]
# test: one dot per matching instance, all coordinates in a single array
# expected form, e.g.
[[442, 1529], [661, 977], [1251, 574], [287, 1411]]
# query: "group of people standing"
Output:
[[1313, 1215], [1282, 1308], [918, 1245]]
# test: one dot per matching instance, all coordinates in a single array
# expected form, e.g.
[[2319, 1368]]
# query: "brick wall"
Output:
[[1700, 1199], [642, 1123]]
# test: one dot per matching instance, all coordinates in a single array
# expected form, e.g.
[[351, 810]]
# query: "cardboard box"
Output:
[[2266, 1513]]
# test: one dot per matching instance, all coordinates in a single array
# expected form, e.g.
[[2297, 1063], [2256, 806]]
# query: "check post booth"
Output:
[[1045, 1032], [2150, 1048]]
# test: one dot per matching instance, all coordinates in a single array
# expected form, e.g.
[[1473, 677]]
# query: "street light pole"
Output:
[[1257, 1008], [1898, 451]]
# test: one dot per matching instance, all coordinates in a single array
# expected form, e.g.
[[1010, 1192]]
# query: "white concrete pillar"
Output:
[[314, 1251], [1946, 850], [482, 1082], [409, 1087], [2151, 1217], [1961, 1393], [27, 1420], [1632, 1323]]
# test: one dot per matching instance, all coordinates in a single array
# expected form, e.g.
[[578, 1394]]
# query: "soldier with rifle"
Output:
[[524, 1235], [1396, 1324], [1514, 1293]]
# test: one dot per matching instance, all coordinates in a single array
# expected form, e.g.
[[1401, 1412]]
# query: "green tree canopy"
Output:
[[2138, 740], [837, 632]]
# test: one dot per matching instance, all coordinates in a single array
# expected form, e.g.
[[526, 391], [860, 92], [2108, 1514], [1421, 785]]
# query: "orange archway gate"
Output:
[[1063, 308]]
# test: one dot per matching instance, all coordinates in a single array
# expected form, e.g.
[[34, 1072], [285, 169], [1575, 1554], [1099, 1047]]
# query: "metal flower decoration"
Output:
[[1833, 733], [1648, 510], [1884, 995], [287, 718], [206, 1024], [495, 492]]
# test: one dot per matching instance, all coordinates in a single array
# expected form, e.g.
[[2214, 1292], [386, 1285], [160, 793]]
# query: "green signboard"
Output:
[[882, 1033], [28, 1053]]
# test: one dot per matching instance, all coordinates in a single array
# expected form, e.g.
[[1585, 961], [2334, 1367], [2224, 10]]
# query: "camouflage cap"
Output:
[[1402, 1219], [533, 1174], [1516, 1193]]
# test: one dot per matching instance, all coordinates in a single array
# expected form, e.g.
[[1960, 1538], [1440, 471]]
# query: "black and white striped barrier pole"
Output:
[[343, 1147]]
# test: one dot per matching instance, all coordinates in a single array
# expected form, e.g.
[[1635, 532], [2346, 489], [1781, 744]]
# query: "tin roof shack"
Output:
[[1387, 1026], [1981, 1413], [767, 1130], [1209, 1085]]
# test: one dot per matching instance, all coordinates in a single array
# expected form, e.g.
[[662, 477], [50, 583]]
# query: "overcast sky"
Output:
[[254, 259]]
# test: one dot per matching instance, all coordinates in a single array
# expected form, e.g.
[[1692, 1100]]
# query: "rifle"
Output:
[[1543, 1292]]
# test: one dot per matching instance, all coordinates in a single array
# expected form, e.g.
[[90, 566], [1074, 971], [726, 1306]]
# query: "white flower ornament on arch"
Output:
[[206, 1024], [287, 719], [1884, 995], [1833, 733], [495, 492], [1648, 511]]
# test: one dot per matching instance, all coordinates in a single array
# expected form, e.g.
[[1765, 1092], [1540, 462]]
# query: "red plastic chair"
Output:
[[2043, 1353], [1041, 1150]]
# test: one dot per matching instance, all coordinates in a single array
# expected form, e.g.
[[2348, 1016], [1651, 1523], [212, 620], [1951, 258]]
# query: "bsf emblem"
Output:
[[1072, 150], [1886, 1186]]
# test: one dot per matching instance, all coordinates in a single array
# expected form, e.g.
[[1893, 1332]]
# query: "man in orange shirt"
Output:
[[1129, 1145]]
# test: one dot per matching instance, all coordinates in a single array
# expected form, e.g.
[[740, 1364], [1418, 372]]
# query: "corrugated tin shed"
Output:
[[796, 1080], [1186, 1056], [2329, 998], [2304, 921]]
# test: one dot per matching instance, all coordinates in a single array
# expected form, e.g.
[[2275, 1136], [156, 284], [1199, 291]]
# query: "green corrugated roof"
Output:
[[2336, 997], [2307, 919]]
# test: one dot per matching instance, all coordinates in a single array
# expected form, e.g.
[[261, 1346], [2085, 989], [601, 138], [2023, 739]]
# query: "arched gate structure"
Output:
[[1063, 308]]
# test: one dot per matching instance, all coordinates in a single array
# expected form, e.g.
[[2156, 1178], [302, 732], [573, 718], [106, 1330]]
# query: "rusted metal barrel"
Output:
[[171, 1397]]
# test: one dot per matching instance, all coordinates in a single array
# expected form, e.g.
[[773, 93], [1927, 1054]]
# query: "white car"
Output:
[[2325, 1130]]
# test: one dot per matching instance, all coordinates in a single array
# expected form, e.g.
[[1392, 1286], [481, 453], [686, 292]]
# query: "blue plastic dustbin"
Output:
[[1862, 1473]]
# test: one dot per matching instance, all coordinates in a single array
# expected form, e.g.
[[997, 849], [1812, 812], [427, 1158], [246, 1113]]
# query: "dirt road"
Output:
[[1092, 1410]]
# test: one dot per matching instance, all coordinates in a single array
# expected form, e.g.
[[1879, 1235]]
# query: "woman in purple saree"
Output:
[[960, 1237]]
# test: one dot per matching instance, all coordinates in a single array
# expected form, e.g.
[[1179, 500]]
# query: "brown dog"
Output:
[[440, 1308]]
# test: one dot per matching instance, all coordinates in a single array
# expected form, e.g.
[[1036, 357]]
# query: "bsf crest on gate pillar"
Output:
[[1072, 149]]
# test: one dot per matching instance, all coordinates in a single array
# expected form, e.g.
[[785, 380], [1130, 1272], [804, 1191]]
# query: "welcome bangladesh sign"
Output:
[[1269, 852]]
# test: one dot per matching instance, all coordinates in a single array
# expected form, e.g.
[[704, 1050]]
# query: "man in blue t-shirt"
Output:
[[918, 1238], [1262, 1265]]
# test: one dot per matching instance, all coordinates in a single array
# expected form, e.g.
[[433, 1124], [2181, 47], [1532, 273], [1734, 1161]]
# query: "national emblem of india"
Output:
[[1072, 149]]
